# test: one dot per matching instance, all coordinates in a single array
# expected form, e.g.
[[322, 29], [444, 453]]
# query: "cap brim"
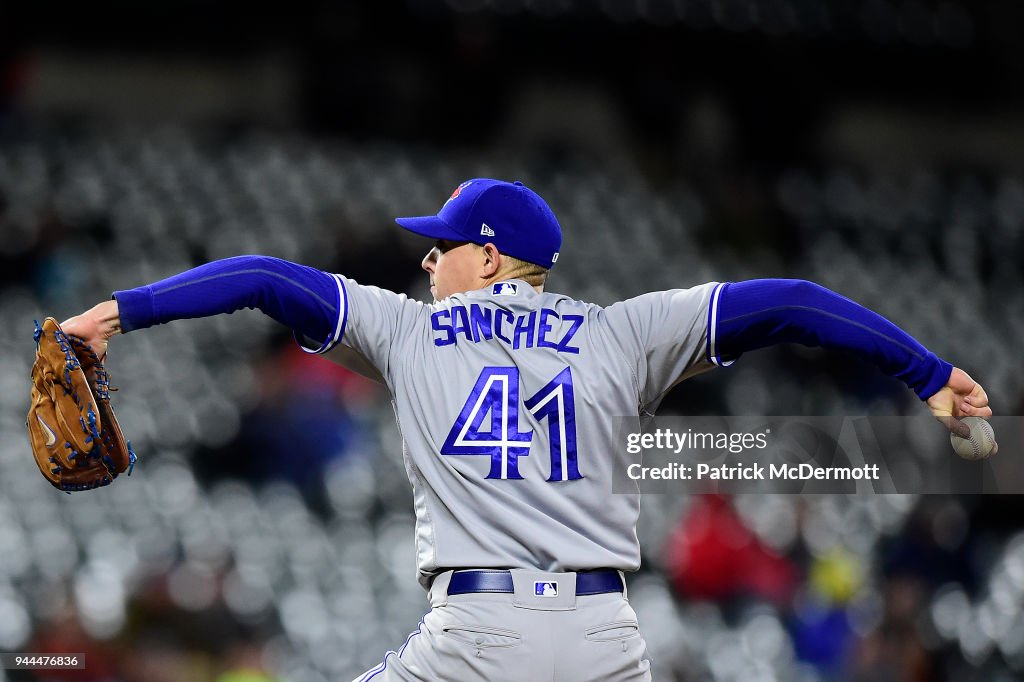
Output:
[[430, 226]]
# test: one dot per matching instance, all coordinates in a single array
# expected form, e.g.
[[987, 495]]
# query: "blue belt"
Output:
[[601, 581]]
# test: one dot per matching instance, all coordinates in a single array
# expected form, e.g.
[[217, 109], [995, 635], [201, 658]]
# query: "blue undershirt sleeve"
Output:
[[764, 312], [308, 301]]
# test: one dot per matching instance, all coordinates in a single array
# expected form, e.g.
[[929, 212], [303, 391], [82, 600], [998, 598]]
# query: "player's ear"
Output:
[[491, 260]]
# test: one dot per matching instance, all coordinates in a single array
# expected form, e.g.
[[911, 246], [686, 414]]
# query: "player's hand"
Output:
[[962, 396], [95, 326]]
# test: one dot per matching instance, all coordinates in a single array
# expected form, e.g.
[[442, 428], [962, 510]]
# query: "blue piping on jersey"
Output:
[[712, 348], [377, 669], [411, 635], [380, 667], [339, 329]]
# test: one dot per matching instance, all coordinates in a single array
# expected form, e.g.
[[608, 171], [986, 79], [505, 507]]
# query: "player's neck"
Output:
[[539, 288]]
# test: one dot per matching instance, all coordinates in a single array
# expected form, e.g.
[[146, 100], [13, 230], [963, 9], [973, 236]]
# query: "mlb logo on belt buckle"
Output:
[[545, 589]]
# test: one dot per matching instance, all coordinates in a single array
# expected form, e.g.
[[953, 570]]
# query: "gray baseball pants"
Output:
[[520, 637]]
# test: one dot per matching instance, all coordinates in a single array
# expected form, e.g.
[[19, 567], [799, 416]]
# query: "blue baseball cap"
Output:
[[507, 214]]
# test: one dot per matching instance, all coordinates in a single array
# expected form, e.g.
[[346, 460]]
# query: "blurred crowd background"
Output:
[[873, 146]]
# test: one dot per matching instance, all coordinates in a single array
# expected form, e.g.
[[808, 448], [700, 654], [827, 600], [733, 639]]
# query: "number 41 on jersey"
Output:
[[496, 393]]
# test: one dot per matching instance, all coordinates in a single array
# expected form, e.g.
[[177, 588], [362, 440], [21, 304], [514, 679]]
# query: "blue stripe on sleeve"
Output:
[[339, 329], [712, 342], [764, 312], [309, 301]]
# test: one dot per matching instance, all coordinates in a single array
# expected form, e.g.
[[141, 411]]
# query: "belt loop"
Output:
[[439, 589], [625, 590]]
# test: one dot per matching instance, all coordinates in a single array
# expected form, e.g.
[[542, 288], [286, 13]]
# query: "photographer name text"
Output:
[[752, 472]]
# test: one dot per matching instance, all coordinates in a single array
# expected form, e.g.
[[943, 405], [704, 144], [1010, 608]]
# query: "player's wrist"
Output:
[[933, 374], [135, 309]]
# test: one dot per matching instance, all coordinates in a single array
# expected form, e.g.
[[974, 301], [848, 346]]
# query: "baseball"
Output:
[[980, 445]]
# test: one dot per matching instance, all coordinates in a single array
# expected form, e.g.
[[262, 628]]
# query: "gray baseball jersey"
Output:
[[506, 397]]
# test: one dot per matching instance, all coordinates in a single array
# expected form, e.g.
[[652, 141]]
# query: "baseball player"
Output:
[[505, 395]]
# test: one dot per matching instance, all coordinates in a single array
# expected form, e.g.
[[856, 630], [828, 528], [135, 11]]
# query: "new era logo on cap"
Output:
[[505, 289], [543, 588], [486, 231]]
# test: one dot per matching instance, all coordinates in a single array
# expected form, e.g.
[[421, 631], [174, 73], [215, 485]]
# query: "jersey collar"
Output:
[[506, 288]]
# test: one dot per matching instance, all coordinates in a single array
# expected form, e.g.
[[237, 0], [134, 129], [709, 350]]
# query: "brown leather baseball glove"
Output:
[[75, 438]]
